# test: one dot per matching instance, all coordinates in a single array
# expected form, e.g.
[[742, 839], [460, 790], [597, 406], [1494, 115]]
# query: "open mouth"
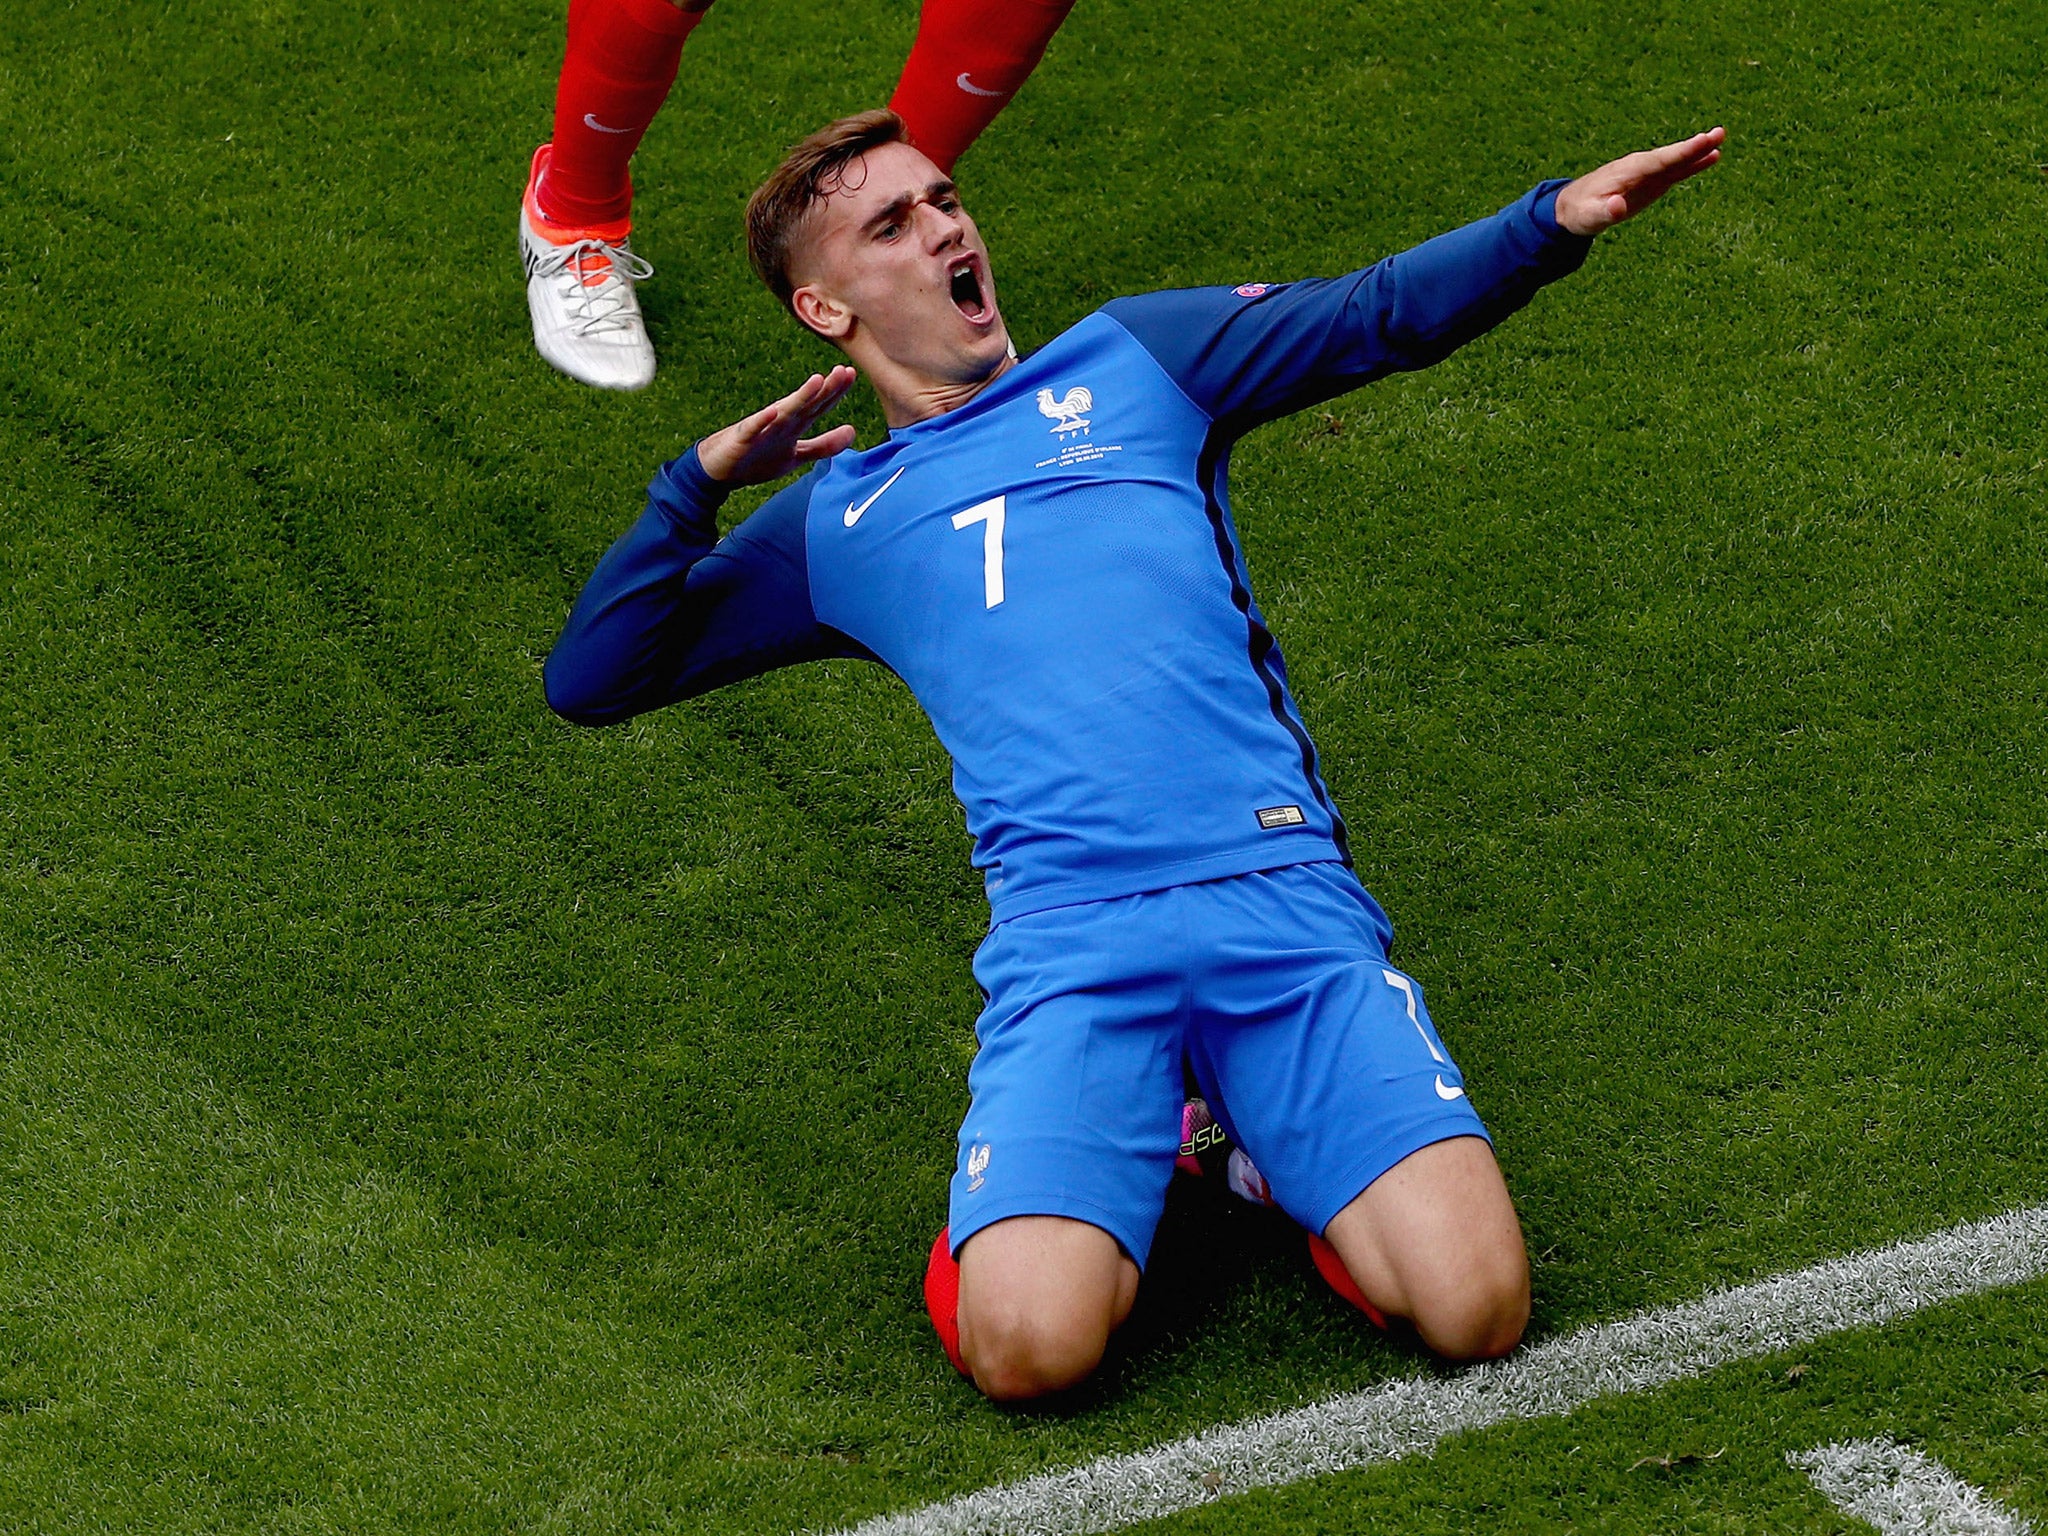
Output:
[[965, 285]]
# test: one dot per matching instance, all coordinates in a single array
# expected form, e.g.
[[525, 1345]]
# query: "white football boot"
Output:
[[579, 287]]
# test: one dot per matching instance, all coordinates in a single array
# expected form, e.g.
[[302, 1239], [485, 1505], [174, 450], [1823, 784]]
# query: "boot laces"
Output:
[[596, 289]]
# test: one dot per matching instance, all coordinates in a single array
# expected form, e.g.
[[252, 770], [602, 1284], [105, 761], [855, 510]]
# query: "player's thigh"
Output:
[[1076, 1087], [1322, 1058]]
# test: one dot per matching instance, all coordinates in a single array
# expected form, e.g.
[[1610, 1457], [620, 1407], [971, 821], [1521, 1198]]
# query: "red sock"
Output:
[[1331, 1267], [970, 58], [942, 1297], [621, 61]]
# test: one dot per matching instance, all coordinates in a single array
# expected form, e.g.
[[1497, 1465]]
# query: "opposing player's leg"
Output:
[[1435, 1240], [618, 66], [1068, 1145], [969, 59], [1324, 1066], [575, 221]]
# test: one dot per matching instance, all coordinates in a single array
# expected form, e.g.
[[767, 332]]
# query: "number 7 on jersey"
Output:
[[989, 513]]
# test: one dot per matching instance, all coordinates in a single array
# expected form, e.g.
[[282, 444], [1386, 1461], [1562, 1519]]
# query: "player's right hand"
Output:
[[770, 443]]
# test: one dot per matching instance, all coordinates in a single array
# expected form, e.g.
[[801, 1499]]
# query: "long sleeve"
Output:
[[1249, 354], [673, 611]]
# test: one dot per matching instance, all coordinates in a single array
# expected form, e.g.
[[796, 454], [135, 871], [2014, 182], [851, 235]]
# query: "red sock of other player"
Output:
[[970, 58], [942, 1297], [621, 61]]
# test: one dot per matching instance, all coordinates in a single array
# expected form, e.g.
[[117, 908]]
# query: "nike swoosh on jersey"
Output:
[[853, 513], [1445, 1091], [972, 89], [590, 121]]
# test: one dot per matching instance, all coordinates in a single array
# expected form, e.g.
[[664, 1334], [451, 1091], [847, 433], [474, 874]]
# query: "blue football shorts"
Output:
[[1317, 1056]]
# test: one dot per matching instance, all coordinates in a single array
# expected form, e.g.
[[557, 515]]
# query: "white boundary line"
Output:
[[1557, 1376], [1904, 1492]]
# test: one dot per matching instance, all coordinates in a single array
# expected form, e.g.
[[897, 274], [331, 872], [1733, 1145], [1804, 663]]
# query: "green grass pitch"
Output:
[[420, 1115]]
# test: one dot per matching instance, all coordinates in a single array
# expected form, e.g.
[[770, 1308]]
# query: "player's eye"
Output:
[[889, 231]]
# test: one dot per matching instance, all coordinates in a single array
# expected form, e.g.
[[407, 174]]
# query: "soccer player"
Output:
[[1043, 550], [970, 57]]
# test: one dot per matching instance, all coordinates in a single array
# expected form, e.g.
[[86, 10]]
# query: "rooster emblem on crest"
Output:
[[1067, 414]]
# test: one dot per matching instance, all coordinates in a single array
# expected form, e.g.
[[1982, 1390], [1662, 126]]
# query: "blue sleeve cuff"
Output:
[[1543, 211], [688, 496]]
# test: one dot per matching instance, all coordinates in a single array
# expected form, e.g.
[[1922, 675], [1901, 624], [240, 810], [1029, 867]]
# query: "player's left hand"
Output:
[[1623, 188]]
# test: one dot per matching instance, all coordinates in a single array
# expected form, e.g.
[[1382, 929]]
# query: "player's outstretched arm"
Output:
[[1623, 188], [770, 443], [1258, 351]]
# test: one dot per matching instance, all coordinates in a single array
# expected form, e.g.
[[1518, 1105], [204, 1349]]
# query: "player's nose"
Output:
[[941, 229]]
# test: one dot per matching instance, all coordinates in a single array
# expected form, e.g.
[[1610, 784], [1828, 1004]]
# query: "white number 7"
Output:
[[991, 513], [1406, 988]]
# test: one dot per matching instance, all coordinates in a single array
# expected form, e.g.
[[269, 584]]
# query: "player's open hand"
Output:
[[1623, 188], [771, 442]]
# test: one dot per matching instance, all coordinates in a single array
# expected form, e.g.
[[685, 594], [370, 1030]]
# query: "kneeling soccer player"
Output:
[[1043, 550]]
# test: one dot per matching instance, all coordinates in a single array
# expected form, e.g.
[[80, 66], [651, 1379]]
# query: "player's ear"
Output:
[[822, 313]]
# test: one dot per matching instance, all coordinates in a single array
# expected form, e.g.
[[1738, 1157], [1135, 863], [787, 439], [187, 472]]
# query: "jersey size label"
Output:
[[1274, 816]]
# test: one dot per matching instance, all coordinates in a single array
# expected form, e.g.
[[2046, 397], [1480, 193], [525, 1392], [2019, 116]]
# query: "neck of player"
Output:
[[914, 392]]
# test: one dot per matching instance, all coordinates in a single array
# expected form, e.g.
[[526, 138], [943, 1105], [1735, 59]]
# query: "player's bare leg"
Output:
[[1039, 1298], [1435, 1239]]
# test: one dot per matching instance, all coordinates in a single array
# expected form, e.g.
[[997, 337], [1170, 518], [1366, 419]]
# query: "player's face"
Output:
[[892, 258]]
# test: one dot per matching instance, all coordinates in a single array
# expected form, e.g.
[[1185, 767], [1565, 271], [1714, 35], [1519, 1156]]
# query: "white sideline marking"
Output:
[[1904, 1492], [1557, 1376]]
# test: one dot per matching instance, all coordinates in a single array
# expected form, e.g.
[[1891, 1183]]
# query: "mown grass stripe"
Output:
[[1558, 1376]]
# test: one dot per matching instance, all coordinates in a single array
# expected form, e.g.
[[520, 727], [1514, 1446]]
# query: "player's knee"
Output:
[[1016, 1355], [1481, 1311]]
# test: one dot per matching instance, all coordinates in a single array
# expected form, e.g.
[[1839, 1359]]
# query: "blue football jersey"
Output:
[[1053, 570]]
